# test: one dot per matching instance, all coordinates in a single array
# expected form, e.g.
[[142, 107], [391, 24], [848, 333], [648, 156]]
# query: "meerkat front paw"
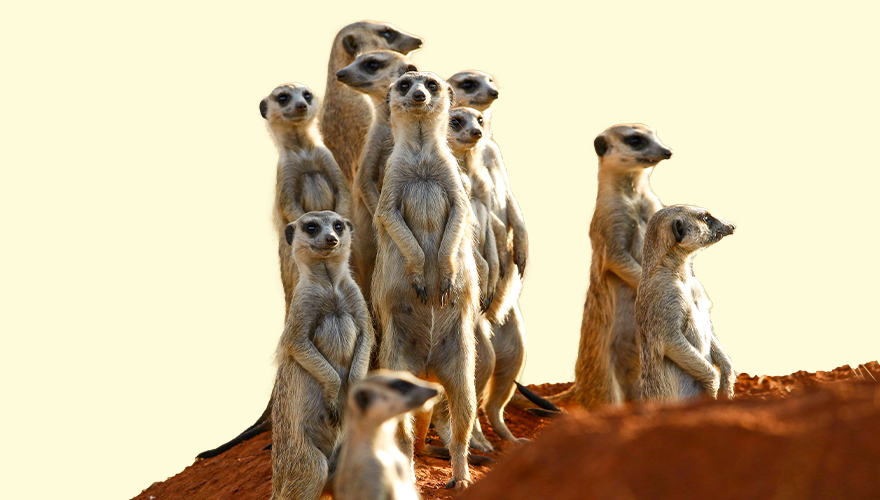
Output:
[[332, 408], [520, 259], [445, 287], [713, 385], [418, 282]]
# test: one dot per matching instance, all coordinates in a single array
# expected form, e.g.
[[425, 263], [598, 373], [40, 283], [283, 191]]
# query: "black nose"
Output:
[[341, 74], [493, 94], [419, 96], [331, 240], [301, 106], [667, 153], [476, 133]]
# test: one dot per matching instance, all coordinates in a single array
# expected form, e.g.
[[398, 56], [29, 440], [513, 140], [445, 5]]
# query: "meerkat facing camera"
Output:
[[346, 115], [425, 290], [308, 178], [371, 466], [325, 348], [371, 74], [680, 354], [608, 366]]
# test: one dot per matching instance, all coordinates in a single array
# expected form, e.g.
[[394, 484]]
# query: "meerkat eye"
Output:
[[403, 86], [480, 120], [389, 34], [371, 65], [307, 96], [311, 227], [401, 386], [432, 85], [467, 85], [282, 99], [338, 226], [455, 123], [635, 141]]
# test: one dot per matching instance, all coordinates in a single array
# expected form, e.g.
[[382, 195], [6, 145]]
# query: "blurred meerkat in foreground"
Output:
[[477, 90], [680, 354], [371, 466], [371, 74], [308, 178], [607, 369], [346, 115], [325, 348], [425, 290]]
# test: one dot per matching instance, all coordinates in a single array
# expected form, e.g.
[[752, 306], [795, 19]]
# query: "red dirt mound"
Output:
[[795, 436]]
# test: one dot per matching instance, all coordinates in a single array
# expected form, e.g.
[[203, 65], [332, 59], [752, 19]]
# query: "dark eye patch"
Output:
[[311, 227], [636, 142], [467, 85], [432, 85], [455, 123], [307, 96], [401, 386], [282, 99], [372, 65], [339, 227], [404, 85], [480, 120], [389, 34]]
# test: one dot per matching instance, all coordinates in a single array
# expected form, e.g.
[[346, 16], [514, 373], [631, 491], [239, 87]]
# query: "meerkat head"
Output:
[[465, 128], [364, 36], [288, 106], [320, 236], [373, 72], [683, 229], [420, 94], [473, 89], [630, 147], [385, 394]]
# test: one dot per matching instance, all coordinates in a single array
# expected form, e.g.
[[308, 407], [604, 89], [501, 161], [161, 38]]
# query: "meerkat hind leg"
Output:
[[509, 343]]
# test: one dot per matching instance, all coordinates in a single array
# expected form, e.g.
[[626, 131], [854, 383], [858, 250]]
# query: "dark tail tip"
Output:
[[537, 400]]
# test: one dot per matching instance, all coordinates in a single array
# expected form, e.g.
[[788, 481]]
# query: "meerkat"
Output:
[[308, 178], [371, 466], [346, 114], [425, 290], [371, 74], [608, 367], [477, 90], [325, 348], [681, 356]]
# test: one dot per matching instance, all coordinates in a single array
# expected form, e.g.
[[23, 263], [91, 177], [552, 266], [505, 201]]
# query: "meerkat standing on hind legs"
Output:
[[680, 354], [371, 467], [425, 290], [608, 367], [325, 348], [346, 115], [371, 74]]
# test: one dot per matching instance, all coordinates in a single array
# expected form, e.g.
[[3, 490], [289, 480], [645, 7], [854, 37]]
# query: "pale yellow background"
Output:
[[141, 301]]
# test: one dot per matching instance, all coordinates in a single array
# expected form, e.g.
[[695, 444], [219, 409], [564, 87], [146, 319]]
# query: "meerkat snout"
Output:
[[331, 240], [419, 96], [341, 74]]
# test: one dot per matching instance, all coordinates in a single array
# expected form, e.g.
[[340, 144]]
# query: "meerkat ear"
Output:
[[678, 230], [601, 146], [349, 225], [288, 232], [412, 67], [350, 44], [363, 398], [264, 107]]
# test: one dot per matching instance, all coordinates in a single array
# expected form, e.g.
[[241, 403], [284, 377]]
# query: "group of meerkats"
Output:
[[402, 251]]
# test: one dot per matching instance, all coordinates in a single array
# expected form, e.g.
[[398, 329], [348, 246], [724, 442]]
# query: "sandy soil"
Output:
[[798, 436]]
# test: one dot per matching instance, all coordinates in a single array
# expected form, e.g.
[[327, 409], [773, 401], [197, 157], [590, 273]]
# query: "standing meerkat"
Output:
[[308, 178], [371, 74], [477, 90], [681, 356], [607, 368], [425, 290], [346, 115], [371, 466], [324, 349]]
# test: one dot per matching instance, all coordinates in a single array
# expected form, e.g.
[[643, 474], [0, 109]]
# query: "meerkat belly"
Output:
[[335, 338], [316, 192], [499, 194], [425, 208]]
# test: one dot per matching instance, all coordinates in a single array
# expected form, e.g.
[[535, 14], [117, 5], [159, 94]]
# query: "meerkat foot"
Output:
[[457, 484]]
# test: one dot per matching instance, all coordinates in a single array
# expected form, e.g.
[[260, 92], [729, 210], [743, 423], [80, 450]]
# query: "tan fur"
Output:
[[681, 356], [324, 349], [607, 369], [308, 178], [346, 115], [371, 74], [425, 289], [371, 467]]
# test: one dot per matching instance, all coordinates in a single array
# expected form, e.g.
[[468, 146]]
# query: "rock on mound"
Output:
[[822, 442]]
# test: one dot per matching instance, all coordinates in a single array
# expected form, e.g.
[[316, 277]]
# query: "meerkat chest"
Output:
[[698, 326], [424, 203], [335, 335]]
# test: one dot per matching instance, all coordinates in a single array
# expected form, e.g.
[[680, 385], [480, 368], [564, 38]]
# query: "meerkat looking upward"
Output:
[[308, 178], [371, 74], [346, 115], [371, 467], [325, 348], [678, 345], [425, 290], [608, 366]]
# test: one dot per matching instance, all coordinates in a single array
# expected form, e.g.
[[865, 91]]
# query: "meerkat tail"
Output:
[[263, 424], [537, 400]]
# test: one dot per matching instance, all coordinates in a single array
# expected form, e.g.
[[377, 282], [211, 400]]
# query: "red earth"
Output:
[[798, 436]]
